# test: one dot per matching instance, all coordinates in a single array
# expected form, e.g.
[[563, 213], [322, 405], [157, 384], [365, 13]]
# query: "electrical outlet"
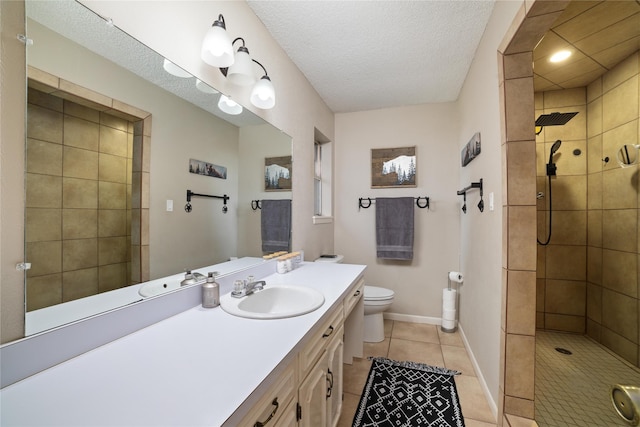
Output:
[[491, 201]]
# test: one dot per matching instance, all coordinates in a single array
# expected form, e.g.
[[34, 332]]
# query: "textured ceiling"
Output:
[[364, 55], [600, 35]]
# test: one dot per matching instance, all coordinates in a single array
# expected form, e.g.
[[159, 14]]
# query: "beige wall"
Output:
[[432, 129]]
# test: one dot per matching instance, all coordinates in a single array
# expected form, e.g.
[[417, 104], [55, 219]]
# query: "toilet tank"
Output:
[[330, 258]]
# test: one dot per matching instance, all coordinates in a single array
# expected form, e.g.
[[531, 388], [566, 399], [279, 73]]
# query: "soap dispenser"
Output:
[[211, 292]]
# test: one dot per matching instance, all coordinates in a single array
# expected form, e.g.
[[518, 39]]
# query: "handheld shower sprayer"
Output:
[[551, 171], [551, 167]]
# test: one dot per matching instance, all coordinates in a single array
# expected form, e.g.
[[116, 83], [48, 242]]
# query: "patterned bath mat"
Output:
[[408, 394]]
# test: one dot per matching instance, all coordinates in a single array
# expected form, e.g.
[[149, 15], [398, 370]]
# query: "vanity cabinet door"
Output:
[[312, 396], [334, 378], [289, 416], [316, 346]]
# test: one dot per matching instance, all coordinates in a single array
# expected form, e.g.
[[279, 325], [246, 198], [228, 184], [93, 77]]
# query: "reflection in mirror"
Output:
[[628, 155], [86, 248]]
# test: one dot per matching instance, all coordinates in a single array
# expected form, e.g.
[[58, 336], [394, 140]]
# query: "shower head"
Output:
[[551, 167], [553, 119]]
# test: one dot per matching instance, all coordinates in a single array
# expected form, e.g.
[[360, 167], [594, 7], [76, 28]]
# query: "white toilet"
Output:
[[376, 301]]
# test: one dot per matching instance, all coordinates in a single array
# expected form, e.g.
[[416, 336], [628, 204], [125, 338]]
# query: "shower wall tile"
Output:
[[594, 191], [113, 168], [594, 117], [615, 138], [519, 105], [569, 227], [44, 291], [620, 314], [113, 276], [521, 166], [576, 128], [620, 345], [79, 193], [594, 302], [620, 229], [540, 293], [594, 228], [44, 124], [567, 162], [594, 155], [621, 185], [569, 192], [112, 195], [79, 254], [79, 223], [517, 65], [594, 89], [620, 104], [565, 323], [112, 250], [565, 98], [79, 283], [521, 310], [541, 169], [45, 100], [522, 231], [541, 267], [45, 258], [79, 163], [519, 366], [113, 141], [81, 133], [43, 191], [44, 225], [594, 330], [81, 112], [112, 222], [44, 158], [621, 73], [565, 297], [620, 272], [566, 262], [114, 122], [594, 265]]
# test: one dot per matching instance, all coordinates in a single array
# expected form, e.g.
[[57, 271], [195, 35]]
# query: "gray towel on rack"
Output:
[[394, 227], [276, 225]]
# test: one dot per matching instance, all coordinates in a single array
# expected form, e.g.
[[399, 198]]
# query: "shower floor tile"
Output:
[[573, 390]]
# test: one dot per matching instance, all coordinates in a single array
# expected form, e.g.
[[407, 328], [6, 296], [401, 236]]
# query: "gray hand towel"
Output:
[[394, 227], [276, 225]]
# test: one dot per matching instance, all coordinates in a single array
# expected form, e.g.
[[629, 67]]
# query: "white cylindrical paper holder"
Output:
[[448, 314], [448, 325], [455, 276]]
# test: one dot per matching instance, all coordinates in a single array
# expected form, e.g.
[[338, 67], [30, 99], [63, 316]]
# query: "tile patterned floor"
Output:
[[424, 343], [573, 390]]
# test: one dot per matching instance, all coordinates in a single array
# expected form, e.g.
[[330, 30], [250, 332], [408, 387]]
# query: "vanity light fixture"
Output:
[[263, 94], [560, 56], [203, 87], [241, 72], [174, 70], [217, 49], [229, 106]]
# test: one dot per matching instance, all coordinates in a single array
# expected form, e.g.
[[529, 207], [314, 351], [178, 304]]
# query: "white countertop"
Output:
[[193, 369]]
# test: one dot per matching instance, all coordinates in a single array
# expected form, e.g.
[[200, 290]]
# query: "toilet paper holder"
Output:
[[449, 324]]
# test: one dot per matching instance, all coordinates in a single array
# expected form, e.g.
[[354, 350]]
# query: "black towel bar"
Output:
[[423, 205], [463, 193], [191, 194]]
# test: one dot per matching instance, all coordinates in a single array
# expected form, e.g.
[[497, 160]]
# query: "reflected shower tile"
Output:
[[79, 254], [79, 193], [112, 195], [42, 99], [44, 124], [81, 112], [113, 141], [81, 133], [43, 191], [112, 250], [79, 163], [79, 283], [112, 277], [113, 168], [79, 223], [114, 122], [45, 258], [43, 224], [43, 157], [112, 222], [44, 291]]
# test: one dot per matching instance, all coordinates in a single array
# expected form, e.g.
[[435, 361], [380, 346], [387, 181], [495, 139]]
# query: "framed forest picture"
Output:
[[393, 167]]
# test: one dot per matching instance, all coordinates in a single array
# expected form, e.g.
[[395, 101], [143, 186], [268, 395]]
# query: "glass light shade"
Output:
[[241, 72], [217, 50], [263, 94], [174, 70], [229, 106], [560, 56], [203, 87]]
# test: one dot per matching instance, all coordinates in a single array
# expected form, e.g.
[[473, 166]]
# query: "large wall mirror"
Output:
[[112, 140]]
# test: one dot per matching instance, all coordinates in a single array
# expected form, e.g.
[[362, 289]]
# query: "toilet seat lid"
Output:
[[377, 293]]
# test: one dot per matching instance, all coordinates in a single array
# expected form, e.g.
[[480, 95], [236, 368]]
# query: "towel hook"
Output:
[[255, 205], [464, 206], [426, 203]]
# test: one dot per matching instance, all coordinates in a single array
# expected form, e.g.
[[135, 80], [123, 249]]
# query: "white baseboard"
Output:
[[438, 321]]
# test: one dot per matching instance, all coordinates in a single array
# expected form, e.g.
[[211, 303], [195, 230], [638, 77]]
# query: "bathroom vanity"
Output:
[[207, 367]]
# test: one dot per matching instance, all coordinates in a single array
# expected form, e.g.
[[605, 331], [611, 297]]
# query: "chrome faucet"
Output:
[[249, 288]]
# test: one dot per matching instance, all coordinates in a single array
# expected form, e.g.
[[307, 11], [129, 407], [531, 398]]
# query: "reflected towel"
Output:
[[276, 225], [394, 227]]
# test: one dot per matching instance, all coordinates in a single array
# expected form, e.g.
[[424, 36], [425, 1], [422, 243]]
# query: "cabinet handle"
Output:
[[357, 293], [264, 423], [328, 333], [330, 381]]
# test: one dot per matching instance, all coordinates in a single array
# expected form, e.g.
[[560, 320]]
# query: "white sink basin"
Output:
[[274, 302]]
